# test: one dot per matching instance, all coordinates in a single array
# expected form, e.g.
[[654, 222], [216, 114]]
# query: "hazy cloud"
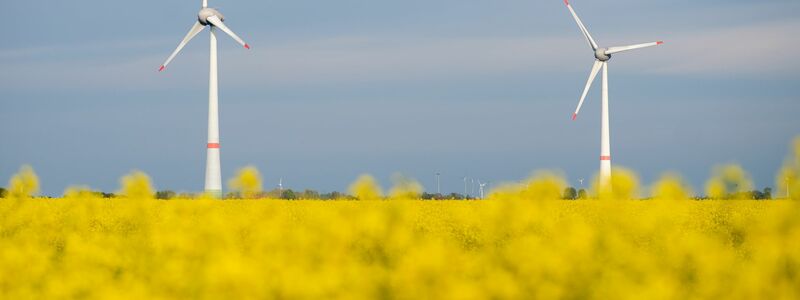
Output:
[[752, 50], [758, 49]]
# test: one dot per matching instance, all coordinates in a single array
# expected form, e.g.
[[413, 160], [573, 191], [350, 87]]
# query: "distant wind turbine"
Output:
[[214, 20], [438, 186], [472, 186], [602, 56], [465, 186]]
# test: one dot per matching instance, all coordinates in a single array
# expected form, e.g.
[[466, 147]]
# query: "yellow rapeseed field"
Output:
[[143, 249], [521, 243]]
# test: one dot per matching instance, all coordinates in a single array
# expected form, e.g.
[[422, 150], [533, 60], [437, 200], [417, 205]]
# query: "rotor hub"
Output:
[[206, 13], [601, 55]]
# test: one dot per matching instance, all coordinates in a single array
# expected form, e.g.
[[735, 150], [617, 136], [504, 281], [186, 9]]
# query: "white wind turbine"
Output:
[[482, 185], [214, 20], [602, 56]]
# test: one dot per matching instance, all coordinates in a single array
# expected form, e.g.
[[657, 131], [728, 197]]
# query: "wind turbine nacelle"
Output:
[[206, 13], [601, 55]]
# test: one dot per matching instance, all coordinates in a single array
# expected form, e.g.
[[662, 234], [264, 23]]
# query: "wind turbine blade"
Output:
[[189, 36], [205, 3], [612, 50], [592, 76], [581, 26], [214, 20]]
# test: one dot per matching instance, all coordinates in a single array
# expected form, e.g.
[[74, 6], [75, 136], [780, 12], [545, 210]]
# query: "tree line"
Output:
[[570, 193]]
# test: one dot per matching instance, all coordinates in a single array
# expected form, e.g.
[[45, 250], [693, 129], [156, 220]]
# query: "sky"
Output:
[[333, 89]]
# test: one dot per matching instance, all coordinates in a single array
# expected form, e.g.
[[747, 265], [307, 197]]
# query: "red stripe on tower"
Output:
[[213, 145], [605, 157]]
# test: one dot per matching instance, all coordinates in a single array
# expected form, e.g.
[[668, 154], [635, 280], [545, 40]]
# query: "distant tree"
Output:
[[165, 195], [2, 193], [272, 194], [582, 194], [570, 193], [455, 196], [185, 195], [309, 194], [332, 196], [765, 194], [288, 195], [432, 196]]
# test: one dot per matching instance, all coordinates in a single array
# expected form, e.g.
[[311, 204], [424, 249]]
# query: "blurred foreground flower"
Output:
[[729, 182], [136, 185], [788, 179], [247, 182], [405, 188], [624, 185], [671, 187], [366, 188], [24, 184]]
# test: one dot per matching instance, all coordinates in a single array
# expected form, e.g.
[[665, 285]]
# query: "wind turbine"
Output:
[[465, 187], [481, 184], [438, 186], [214, 20], [602, 55], [472, 186]]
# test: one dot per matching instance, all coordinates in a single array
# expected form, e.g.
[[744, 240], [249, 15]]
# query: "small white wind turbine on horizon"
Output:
[[602, 55], [214, 20]]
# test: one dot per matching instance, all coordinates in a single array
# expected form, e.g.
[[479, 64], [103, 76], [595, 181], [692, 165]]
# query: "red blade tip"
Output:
[[161, 69], [574, 116], [566, 2], [659, 42], [247, 46]]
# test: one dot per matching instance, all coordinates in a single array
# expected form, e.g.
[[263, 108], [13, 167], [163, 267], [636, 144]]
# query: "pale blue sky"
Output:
[[333, 89]]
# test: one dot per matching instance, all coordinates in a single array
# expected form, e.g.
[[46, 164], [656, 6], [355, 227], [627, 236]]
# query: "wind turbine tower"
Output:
[[465, 187], [472, 186], [214, 20], [438, 186]]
